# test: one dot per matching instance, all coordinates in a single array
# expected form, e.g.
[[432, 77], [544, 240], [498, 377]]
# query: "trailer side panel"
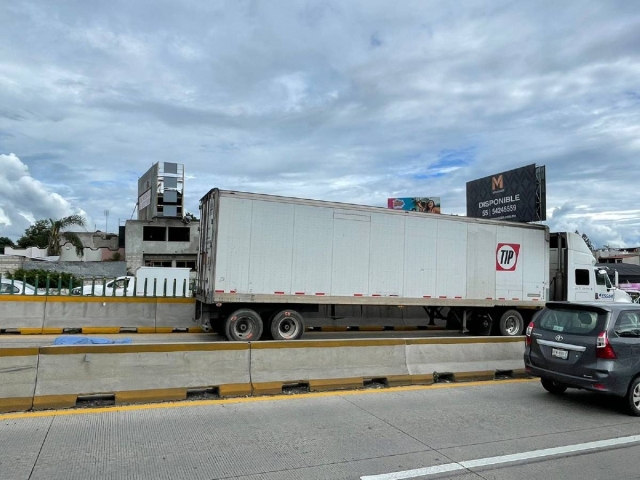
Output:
[[332, 253]]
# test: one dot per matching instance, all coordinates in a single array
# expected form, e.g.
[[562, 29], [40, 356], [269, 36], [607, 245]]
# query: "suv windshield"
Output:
[[572, 321]]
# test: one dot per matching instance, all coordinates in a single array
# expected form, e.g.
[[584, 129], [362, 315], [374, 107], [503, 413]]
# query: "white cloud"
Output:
[[347, 101], [4, 219], [23, 199]]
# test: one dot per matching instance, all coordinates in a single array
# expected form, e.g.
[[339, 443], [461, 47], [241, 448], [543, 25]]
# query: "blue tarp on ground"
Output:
[[75, 340]]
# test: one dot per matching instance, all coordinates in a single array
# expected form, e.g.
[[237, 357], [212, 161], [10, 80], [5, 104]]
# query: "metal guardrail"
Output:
[[99, 287]]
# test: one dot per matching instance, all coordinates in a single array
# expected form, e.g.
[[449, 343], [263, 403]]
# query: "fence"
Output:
[[97, 286]]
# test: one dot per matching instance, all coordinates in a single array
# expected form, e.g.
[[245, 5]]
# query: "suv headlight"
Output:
[[77, 291]]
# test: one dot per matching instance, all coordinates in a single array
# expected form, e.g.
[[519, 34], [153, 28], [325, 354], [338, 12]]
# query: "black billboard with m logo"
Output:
[[517, 195]]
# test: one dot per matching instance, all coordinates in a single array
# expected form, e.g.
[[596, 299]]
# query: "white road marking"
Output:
[[516, 457]]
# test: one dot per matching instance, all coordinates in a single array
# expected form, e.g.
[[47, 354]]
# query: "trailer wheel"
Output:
[[243, 325], [287, 325], [511, 323]]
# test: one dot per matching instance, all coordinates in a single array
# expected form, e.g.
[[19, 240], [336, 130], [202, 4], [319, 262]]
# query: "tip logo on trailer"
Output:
[[507, 257]]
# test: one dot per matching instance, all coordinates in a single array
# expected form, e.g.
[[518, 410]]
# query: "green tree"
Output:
[[37, 235], [56, 234], [49, 234], [5, 242]]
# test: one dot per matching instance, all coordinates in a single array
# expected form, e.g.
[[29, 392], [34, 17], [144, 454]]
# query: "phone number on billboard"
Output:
[[500, 210], [505, 209]]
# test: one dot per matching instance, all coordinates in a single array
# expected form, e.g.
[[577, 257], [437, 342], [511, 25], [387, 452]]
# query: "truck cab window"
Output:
[[582, 276]]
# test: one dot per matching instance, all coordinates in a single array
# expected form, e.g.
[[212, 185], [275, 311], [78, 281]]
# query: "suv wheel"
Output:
[[633, 397], [553, 387]]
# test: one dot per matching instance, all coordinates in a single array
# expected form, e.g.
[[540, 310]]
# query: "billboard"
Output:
[[415, 204], [516, 195], [144, 200]]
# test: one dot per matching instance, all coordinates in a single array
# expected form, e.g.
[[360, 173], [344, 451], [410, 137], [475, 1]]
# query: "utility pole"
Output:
[[106, 221]]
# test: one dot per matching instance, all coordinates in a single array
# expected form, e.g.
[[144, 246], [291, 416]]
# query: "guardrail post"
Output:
[[93, 286], [145, 286], [36, 285], [164, 288], [135, 286], [175, 283], [47, 286], [184, 288], [104, 286], [155, 282], [113, 289], [59, 284], [24, 282]]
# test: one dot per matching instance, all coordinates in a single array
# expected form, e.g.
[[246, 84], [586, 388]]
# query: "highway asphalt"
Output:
[[510, 429], [15, 340]]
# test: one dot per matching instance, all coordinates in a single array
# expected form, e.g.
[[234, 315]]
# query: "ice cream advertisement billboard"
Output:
[[415, 204]]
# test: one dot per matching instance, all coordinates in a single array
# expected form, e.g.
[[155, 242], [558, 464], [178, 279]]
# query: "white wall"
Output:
[[31, 252]]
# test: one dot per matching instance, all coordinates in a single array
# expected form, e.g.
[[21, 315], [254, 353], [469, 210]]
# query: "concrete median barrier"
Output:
[[102, 315], [176, 314], [326, 365], [18, 369], [140, 373], [98, 314], [58, 376], [22, 313], [464, 358]]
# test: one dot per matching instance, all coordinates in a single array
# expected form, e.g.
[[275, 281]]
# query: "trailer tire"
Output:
[[287, 325], [511, 323], [243, 325]]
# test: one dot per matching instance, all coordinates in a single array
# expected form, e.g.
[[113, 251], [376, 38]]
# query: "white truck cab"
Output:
[[574, 276]]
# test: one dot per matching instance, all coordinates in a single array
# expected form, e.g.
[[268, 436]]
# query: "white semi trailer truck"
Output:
[[265, 261]]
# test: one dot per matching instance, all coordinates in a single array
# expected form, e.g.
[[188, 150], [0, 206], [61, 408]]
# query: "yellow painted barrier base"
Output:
[[336, 384], [15, 404], [265, 389]]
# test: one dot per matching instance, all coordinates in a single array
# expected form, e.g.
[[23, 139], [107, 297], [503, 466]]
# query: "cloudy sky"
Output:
[[351, 101]]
